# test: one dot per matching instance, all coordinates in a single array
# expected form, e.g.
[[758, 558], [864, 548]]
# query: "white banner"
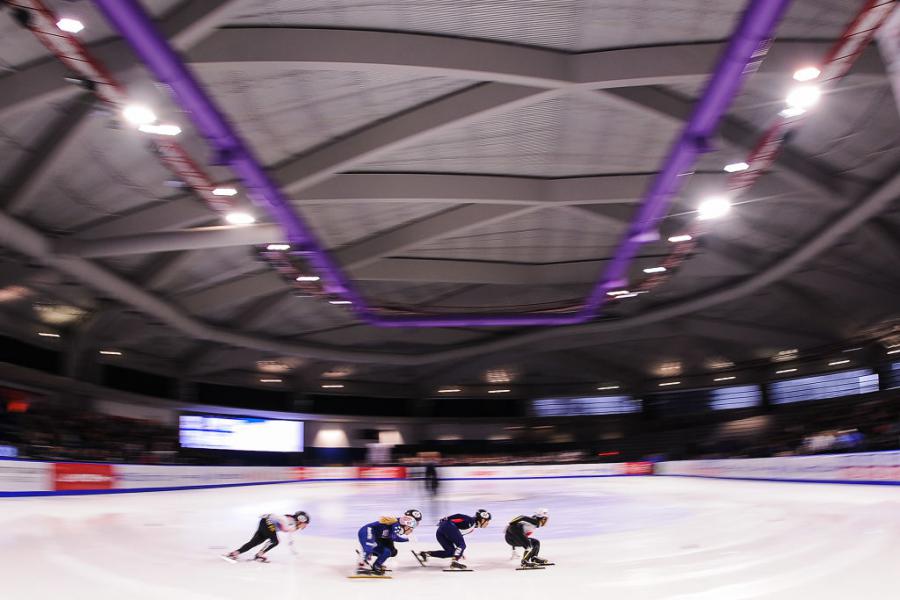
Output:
[[22, 476]]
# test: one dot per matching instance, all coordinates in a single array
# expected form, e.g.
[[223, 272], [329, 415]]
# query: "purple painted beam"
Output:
[[743, 50]]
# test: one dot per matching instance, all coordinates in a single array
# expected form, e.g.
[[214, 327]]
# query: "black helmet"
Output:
[[415, 514], [482, 517], [301, 517]]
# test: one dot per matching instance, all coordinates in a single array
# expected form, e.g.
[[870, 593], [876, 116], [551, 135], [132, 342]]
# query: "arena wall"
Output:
[[32, 478], [864, 467]]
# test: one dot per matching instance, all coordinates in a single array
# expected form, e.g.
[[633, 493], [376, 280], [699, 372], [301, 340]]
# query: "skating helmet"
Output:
[[542, 514], [301, 517], [408, 522], [415, 514], [482, 518]]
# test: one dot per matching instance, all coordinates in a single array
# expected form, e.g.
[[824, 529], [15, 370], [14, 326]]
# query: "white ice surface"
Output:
[[637, 538]]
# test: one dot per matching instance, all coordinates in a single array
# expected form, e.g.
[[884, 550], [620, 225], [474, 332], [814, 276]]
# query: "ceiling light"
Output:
[[449, 391], [788, 113], [668, 369], [729, 378], [48, 334], [13, 292], [628, 295], [804, 96], [783, 371], [332, 386], [224, 192], [785, 355], [309, 278], [649, 270], [339, 302], [713, 208], [110, 353], [137, 114], [806, 74], [59, 314], [618, 293], [281, 365], [167, 129], [736, 167], [240, 218], [604, 388], [719, 363], [503, 391], [897, 351], [680, 238], [70, 25], [278, 248], [338, 372], [835, 363], [499, 375], [270, 380], [856, 349], [668, 383]]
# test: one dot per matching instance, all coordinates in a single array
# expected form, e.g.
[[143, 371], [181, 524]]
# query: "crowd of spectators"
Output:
[[42, 431], [46, 430], [826, 428]]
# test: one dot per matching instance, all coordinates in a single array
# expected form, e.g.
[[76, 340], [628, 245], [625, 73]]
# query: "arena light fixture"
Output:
[[47, 334], [449, 391], [70, 25], [669, 383], [791, 111], [736, 167], [500, 391], [605, 388], [897, 351], [783, 371], [240, 218], [309, 278], [680, 238], [729, 378], [804, 97], [278, 248], [713, 207], [615, 293], [339, 302], [270, 380], [138, 114], [835, 363], [332, 386], [807, 74], [224, 191], [164, 129], [111, 353], [650, 270]]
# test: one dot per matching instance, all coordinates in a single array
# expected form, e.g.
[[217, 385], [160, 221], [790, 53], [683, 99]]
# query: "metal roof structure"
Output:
[[452, 158]]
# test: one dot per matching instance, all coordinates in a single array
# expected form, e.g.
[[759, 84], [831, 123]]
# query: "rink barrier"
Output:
[[33, 478], [862, 468]]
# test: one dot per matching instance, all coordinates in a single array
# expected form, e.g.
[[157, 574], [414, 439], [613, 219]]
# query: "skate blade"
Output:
[[457, 570], [529, 568], [421, 562], [368, 576], [228, 559]]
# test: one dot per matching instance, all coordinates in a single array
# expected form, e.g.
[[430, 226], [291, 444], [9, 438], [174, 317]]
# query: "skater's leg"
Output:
[[262, 532], [271, 541], [532, 552]]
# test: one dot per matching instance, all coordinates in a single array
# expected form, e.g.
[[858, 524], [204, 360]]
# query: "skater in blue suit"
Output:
[[377, 540], [450, 534]]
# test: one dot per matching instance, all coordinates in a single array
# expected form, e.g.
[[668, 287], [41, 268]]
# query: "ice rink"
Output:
[[628, 537]]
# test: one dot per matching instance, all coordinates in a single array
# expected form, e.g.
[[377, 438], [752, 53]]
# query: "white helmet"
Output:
[[408, 522], [542, 514]]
